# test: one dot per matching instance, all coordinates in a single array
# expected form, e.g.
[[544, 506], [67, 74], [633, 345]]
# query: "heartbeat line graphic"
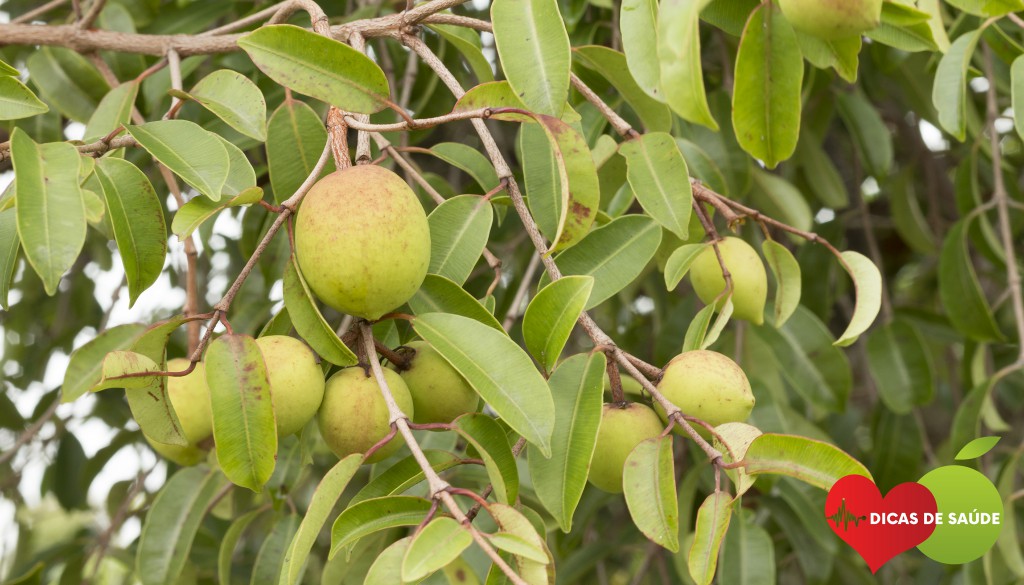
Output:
[[845, 516]]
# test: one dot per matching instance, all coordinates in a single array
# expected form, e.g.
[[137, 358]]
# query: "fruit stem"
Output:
[[400, 361], [614, 380]]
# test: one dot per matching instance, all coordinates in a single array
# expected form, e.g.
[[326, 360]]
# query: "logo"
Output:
[[952, 514]]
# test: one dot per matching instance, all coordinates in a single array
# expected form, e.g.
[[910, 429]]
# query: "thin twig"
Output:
[[515, 309], [31, 431], [90, 17], [32, 14]]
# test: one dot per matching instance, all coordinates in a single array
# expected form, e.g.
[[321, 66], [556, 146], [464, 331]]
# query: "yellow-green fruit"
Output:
[[832, 19], [439, 392], [749, 280], [623, 426], [296, 381], [362, 241], [354, 416], [190, 398], [184, 455], [707, 385], [630, 385]]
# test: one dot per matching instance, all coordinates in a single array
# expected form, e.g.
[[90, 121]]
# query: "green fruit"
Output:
[[630, 385], [707, 385], [190, 398], [749, 280], [354, 416], [296, 381], [832, 19], [623, 426], [362, 241], [439, 392], [184, 455]]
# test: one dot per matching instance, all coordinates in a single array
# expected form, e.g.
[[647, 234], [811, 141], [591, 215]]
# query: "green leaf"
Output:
[[118, 364], [295, 139], [172, 523], [1008, 542], [703, 167], [534, 51], [518, 546], [900, 363], [611, 64], [551, 316], [778, 198], [649, 485], [577, 389], [696, 331], [403, 475], [298, 59], [18, 101], [115, 109], [51, 208], [678, 264], [681, 74], [907, 29], [1017, 94], [138, 221], [195, 155], [949, 94], [497, 369], [639, 27], [988, 7], [387, 567], [766, 96], [786, 271], [243, 415], [67, 80], [235, 99], [960, 291], [468, 159], [839, 54], [8, 71], [659, 178], [10, 243], [371, 516], [735, 439], [199, 209], [748, 556], [437, 294], [910, 222], [491, 443], [230, 541], [85, 367], [819, 464], [326, 496], [712, 523], [459, 229], [493, 94], [870, 134], [150, 405], [976, 448], [272, 552], [823, 179], [614, 254], [515, 522], [467, 42], [437, 544], [241, 175], [308, 321]]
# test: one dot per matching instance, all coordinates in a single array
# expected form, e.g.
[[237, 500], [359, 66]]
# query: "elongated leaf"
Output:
[[8, 71], [497, 369], [638, 23], [295, 138], [243, 415], [867, 281], [437, 294], [614, 254], [870, 134], [976, 448], [467, 42], [403, 475], [371, 516], [10, 243], [658, 175], [150, 405], [119, 364], [766, 96], [988, 7], [823, 178], [194, 154], [308, 321], [949, 94], [320, 507], [235, 99], [67, 80], [960, 291], [1008, 542], [612, 65], [682, 77], [649, 485], [678, 264], [51, 208], [459, 228], [810, 461], [85, 368], [534, 51], [230, 541], [494, 94], [172, 523], [735, 440], [468, 159], [491, 442], [907, 215], [113, 110], [439, 543], [551, 315], [840, 54], [138, 221], [18, 101], [269, 561], [901, 366], [786, 271], [297, 58], [241, 175], [1017, 94], [697, 330], [712, 523], [199, 209], [778, 198], [387, 567], [515, 522], [518, 546], [748, 556]]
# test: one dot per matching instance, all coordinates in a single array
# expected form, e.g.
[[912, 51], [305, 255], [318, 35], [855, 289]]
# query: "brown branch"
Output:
[[32, 14], [514, 310], [30, 432], [89, 17], [420, 124]]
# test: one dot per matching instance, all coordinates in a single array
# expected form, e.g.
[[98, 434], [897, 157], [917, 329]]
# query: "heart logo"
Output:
[[879, 528]]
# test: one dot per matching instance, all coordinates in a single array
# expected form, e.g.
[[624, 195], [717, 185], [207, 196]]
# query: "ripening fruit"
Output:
[[623, 426], [362, 241], [354, 416], [630, 385], [296, 381], [749, 280], [832, 19], [439, 392], [707, 385]]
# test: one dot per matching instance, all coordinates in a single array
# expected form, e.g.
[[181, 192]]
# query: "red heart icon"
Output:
[[879, 529]]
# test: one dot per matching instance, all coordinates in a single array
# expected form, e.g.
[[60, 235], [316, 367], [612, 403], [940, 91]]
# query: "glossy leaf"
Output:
[[437, 294], [235, 99], [491, 443], [308, 321], [679, 263], [497, 369], [696, 331], [295, 139], [658, 175], [493, 94], [960, 291], [459, 229], [437, 544], [199, 209], [681, 73], [819, 464], [295, 57], [901, 366], [534, 51], [192, 153], [638, 23], [712, 523], [551, 316], [371, 516], [649, 485], [18, 101], [786, 271], [115, 109], [950, 90]]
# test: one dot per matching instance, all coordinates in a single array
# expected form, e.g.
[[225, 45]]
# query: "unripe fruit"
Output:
[[749, 280], [184, 455], [354, 416], [832, 19], [630, 385], [623, 426], [439, 392], [706, 385], [362, 241], [190, 398], [296, 381]]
